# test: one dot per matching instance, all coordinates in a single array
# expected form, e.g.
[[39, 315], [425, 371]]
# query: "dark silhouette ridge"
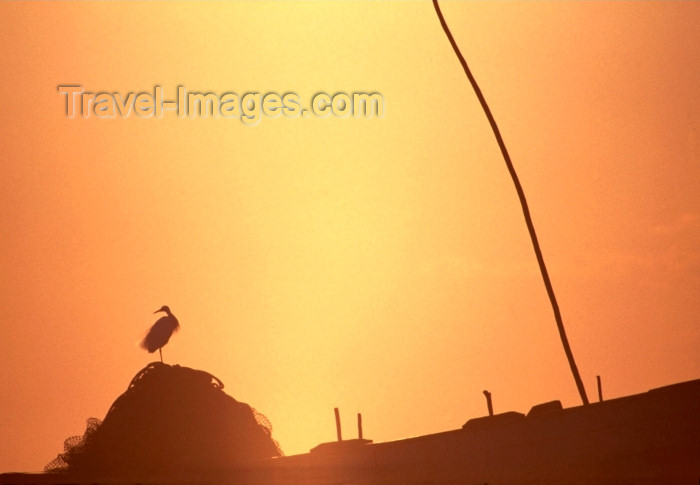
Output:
[[523, 204], [645, 439], [170, 420], [160, 332]]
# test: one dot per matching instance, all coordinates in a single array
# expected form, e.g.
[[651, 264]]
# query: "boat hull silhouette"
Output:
[[648, 438]]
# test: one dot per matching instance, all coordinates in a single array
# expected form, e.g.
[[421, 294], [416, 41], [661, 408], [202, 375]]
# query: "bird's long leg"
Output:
[[161, 354]]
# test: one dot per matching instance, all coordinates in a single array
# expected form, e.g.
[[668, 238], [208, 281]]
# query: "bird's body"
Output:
[[160, 332]]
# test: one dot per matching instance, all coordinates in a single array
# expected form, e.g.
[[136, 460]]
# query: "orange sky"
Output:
[[378, 265]]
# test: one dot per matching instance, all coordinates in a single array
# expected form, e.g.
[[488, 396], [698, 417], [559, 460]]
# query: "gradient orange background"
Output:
[[378, 265]]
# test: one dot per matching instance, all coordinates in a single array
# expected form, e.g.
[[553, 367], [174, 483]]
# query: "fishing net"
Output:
[[170, 419]]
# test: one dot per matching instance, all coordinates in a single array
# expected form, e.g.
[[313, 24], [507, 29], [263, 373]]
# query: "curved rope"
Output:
[[523, 203]]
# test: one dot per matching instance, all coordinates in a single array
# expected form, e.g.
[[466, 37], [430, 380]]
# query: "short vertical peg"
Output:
[[488, 402], [337, 424]]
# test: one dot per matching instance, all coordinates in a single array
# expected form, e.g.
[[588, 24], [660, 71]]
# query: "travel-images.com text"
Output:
[[249, 108]]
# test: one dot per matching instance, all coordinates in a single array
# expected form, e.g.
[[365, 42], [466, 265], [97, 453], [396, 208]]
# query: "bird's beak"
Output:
[[157, 311]]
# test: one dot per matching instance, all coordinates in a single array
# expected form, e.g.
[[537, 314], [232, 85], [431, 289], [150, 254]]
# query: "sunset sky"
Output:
[[378, 265]]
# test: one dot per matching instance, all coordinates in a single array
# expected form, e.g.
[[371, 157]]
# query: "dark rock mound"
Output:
[[171, 419]]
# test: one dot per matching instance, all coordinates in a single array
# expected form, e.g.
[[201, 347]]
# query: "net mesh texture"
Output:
[[170, 419]]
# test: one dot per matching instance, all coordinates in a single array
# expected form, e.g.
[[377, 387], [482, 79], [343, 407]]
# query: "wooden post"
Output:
[[359, 425], [523, 204], [337, 424], [600, 389], [488, 402]]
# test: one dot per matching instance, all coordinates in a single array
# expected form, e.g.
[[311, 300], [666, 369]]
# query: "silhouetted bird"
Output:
[[160, 332]]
